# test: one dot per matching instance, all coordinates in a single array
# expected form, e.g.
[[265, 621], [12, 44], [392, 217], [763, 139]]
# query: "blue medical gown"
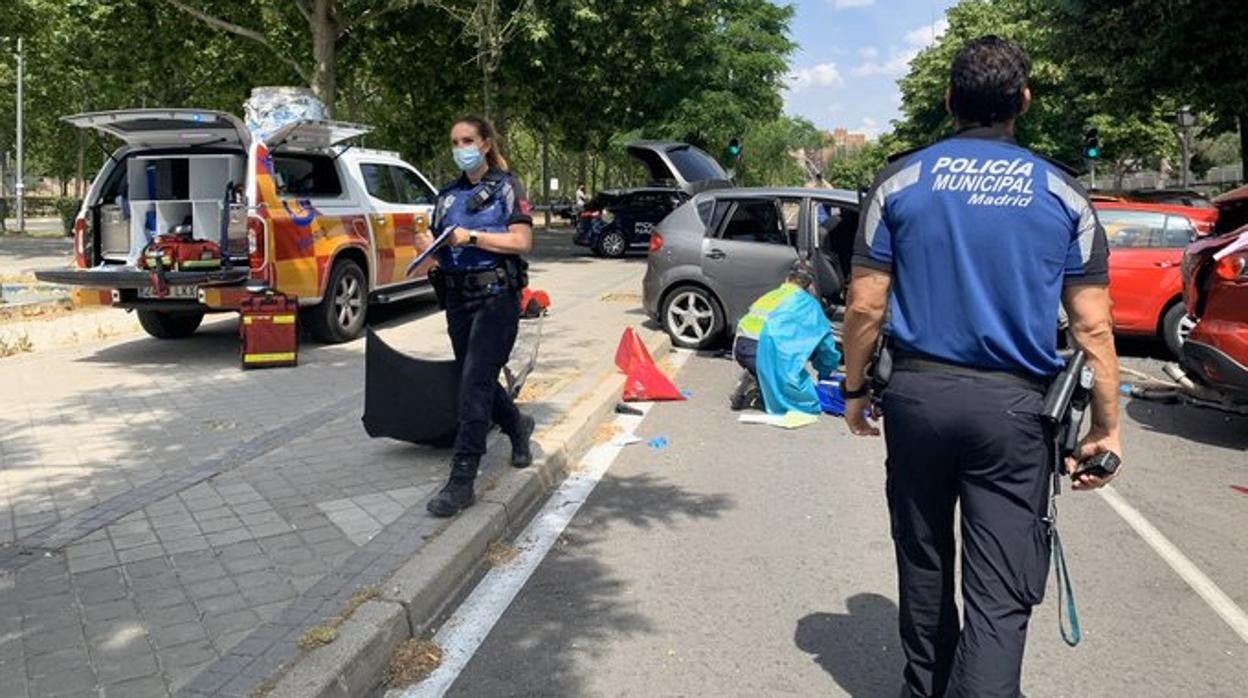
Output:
[[795, 333]]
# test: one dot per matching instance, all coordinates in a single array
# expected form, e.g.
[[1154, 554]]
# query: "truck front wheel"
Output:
[[340, 315], [169, 325]]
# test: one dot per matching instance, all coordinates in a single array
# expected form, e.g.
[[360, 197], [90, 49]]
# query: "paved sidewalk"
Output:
[[20, 256], [172, 524]]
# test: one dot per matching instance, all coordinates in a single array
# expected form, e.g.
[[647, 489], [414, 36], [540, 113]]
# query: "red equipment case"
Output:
[[269, 329]]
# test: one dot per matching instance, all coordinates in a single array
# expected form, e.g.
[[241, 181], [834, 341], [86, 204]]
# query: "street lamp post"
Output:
[[1186, 120]]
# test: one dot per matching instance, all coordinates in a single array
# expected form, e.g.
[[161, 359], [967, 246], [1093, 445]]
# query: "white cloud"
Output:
[[822, 75], [927, 35], [899, 62], [846, 4], [870, 127], [835, 108]]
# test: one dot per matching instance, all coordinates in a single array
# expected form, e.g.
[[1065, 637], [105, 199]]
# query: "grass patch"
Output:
[[412, 662], [319, 636], [322, 635]]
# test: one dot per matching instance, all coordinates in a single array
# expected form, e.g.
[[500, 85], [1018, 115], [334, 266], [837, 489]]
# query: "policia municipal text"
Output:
[[478, 280], [973, 283]]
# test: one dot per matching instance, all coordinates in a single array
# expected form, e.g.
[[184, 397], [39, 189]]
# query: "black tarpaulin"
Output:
[[417, 400]]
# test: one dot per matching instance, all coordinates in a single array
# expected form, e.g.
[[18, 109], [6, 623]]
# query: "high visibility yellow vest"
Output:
[[751, 325]]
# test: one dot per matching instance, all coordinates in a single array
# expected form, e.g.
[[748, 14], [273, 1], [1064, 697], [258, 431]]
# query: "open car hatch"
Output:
[[314, 135], [679, 165], [166, 127]]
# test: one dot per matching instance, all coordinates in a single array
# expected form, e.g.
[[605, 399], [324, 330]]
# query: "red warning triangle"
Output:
[[645, 382]]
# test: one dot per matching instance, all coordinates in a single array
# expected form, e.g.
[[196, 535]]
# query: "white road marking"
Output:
[[1201, 584], [468, 627]]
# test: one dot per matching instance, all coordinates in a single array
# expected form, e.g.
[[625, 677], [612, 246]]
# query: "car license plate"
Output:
[[180, 292]]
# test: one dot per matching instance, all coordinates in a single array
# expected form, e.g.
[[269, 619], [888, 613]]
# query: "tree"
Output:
[[326, 26], [1195, 53], [1068, 96]]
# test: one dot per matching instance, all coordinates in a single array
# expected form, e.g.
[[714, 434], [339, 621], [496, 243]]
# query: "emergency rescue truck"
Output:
[[298, 211]]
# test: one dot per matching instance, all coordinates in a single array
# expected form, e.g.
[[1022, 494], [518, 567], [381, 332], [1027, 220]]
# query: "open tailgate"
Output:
[[166, 127], [314, 135]]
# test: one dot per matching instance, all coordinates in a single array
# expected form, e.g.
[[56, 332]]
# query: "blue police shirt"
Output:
[[506, 206], [980, 235]]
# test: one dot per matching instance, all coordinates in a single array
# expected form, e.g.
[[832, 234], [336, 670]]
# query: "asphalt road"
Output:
[[747, 561]]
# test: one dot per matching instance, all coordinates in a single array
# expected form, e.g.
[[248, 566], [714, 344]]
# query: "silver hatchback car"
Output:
[[716, 254]]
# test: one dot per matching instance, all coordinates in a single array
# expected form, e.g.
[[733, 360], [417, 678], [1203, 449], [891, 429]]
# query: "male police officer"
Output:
[[977, 239]]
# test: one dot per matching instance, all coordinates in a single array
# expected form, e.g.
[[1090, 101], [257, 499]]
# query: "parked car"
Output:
[[717, 253], [615, 222], [1215, 288], [334, 226], [1146, 243]]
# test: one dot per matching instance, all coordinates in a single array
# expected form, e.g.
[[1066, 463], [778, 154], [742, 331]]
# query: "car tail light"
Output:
[[256, 244], [587, 215], [656, 241], [80, 242], [1233, 267]]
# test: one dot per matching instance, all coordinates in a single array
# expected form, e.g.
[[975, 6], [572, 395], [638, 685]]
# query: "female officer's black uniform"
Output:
[[482, 299]]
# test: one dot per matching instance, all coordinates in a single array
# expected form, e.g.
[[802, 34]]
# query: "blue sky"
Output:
[[850, 54]]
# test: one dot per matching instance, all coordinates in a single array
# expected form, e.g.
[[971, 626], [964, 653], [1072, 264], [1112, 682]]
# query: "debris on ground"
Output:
[[658, 443], [789, 420], [499, 554], [412, 662]]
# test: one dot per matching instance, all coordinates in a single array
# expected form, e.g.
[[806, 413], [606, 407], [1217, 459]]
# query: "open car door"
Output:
[[166, 127]]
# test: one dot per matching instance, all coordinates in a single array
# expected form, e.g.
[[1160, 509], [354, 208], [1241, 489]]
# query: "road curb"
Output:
[[420, 591]]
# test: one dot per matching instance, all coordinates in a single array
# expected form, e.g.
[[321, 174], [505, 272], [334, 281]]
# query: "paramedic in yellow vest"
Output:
[[783, 331]]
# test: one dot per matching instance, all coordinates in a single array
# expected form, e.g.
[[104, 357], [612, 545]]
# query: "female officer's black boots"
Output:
[[457, 495], [521, 449]]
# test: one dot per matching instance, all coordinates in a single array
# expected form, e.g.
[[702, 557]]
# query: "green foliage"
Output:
[[1069, 92], [583, 76]]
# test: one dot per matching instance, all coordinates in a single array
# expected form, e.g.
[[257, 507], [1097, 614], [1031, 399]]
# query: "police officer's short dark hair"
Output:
[[986, 80]]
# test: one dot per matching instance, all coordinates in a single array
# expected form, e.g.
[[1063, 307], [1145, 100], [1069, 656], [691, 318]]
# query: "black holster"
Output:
[[437, 279]]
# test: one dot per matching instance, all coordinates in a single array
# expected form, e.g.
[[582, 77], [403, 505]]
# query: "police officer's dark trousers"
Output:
[[483, 330], [961, 437]]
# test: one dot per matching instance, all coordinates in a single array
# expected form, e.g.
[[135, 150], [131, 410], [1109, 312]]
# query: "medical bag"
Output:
[[269, 329], [178, 251]]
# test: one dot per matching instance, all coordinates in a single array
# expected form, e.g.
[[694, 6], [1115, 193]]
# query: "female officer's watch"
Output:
[[472, 240]]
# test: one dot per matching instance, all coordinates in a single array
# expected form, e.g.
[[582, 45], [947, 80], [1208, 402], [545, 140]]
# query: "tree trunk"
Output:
[[82, 163], [1243, 148], [546, 175], [485, 88], [324, 52]]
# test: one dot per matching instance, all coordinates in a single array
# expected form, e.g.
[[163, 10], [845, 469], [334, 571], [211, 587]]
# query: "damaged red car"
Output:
[[1215, 291]]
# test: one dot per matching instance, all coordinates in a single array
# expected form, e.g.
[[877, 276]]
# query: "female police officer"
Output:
[[479, 277]]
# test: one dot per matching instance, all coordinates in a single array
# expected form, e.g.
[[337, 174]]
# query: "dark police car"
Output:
[[614, 222]]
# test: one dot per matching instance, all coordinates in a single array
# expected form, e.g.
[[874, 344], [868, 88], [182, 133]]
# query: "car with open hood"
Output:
[[298, 211]]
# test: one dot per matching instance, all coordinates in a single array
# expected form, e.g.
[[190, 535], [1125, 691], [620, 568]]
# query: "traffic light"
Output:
[[734, 149], [1092, 143]]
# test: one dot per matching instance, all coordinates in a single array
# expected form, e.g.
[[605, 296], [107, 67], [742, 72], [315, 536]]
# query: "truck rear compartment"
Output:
[[148, 195]]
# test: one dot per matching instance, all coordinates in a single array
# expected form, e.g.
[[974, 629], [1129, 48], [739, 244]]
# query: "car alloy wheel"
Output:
[[613, 244], [690, 317], [348, 301]]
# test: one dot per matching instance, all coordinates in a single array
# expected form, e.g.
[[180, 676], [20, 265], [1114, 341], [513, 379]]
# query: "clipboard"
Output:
[[438, 242]]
